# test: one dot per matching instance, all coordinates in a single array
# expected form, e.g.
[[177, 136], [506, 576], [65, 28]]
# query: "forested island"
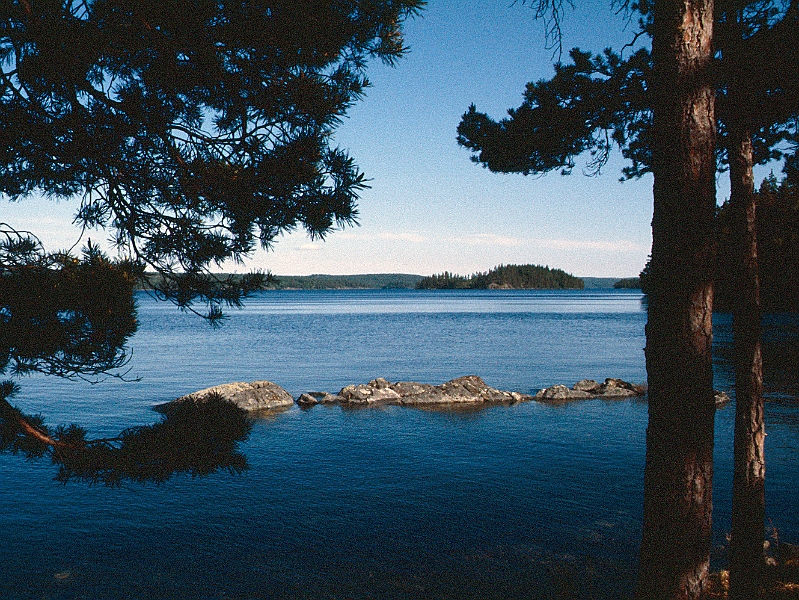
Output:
[[505, 277]]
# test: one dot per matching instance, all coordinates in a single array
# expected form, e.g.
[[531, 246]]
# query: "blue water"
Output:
[[528, 501]]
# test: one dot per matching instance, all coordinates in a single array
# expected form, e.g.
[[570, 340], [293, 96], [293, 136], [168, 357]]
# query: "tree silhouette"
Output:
[[193, 134]]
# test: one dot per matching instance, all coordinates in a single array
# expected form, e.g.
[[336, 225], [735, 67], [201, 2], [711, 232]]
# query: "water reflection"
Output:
[[780, 354]]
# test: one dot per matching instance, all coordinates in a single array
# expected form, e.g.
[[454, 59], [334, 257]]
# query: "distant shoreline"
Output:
[[377, 281]]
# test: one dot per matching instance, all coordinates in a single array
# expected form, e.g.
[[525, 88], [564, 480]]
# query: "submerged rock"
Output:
[[258, 395]]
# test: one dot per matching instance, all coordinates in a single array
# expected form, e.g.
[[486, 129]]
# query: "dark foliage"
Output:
[[598, 101], [71, 317], [589, 105], [778, 248], [195, 439], [504, 276], [344, 282], [62, 315]]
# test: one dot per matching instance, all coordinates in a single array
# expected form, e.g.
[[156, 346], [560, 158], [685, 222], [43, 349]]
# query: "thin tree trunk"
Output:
[[678, 476], [749, 477]]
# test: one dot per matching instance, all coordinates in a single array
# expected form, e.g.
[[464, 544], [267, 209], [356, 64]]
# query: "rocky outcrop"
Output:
[[258, 395], [469, 390], [312, 398], [588, 388], [463, 390]]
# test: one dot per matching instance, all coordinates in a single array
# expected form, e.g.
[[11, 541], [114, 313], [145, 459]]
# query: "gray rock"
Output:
[[618, 388], [463, 390], [410, 388], [618, 392], [721, 397], [376, 390], [379, 384], [561, 392], [586, 385], [469, 389], [588, 388], [307, 400], [312, 398], [258, 395]]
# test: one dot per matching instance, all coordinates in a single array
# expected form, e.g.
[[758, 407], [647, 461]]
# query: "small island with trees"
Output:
[[505, 277]]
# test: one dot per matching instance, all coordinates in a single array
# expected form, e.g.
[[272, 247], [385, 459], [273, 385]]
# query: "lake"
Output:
[[528, 501]]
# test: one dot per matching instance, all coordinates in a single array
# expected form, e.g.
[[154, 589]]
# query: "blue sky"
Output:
[[430, 209]]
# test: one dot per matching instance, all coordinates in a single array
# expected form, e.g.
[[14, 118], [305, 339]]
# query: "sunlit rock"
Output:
[[588, 388], [469, 389], [258, 395], [312, 398]]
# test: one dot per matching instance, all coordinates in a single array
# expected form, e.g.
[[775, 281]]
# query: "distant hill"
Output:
[[508, 276], [504, 277], [595, 283], [328, 282], [628, 283], [380, 281]]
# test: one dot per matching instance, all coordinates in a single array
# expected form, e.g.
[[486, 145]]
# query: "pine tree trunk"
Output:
[[749, 477], [678, 476]]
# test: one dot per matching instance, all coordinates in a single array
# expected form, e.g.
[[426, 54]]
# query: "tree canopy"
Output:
[[193, 131], [596, 102]]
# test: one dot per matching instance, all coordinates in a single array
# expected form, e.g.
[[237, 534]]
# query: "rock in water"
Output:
[[469, 389], [309, 399], [258, 395], [561, 392], [588, 388]]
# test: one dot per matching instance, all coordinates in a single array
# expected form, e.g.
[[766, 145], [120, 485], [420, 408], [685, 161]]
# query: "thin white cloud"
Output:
[[602, 246], [309, 247], [416, 238], [488, 239], [406, 236]]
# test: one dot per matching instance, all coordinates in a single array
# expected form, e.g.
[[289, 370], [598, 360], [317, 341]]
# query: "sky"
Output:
[[429, 208]]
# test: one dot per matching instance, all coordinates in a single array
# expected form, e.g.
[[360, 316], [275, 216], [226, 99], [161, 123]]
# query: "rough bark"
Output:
[[749, 476], [678, 476]]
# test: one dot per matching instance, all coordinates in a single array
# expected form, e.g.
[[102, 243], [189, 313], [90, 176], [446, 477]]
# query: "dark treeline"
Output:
[[628, 283], [382, 281], [506, 277], [777, 225]]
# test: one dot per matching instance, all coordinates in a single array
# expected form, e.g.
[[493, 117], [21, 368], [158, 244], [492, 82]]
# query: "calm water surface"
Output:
[[528, 501]]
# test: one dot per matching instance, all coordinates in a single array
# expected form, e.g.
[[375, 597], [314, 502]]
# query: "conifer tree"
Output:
[[193, 133], [659, 109]]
